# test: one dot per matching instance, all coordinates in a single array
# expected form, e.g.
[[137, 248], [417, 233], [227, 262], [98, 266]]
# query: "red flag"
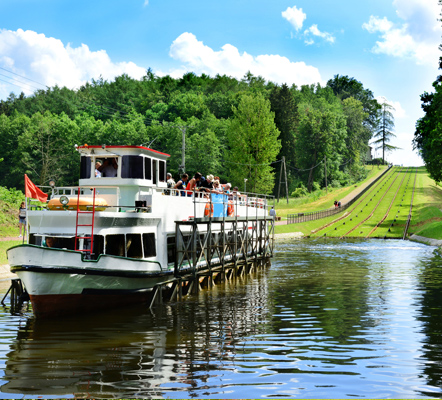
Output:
[[33, 191]]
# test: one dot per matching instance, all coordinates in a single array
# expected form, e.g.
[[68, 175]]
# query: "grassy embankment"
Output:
[[312, 203], [9, 204], [390, 199]]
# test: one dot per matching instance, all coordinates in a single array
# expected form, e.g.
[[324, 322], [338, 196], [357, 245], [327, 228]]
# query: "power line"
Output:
[[252, 165]]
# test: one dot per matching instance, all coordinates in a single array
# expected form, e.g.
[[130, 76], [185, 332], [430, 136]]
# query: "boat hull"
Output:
[[63, 288]]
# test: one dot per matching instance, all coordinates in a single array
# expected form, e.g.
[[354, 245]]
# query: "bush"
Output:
[[316, 186], [335, 184], [300, 192]]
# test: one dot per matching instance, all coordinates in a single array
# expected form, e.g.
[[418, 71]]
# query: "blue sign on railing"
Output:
[[219, 202]]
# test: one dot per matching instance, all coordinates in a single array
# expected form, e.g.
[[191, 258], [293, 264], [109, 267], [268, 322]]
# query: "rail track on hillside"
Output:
[[411, 207], [348, 213], [372, 216], [377, 205]]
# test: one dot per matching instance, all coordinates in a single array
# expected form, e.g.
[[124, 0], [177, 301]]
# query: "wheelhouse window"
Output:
[[106, 167], [147, 168], [132, 167], [162, 171], [154, 171], [85, 167]]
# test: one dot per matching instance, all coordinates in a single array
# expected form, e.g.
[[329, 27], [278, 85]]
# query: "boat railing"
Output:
[[223, 203]]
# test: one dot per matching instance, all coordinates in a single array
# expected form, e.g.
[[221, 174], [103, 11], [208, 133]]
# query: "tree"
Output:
[[253, 141], [47, 148], [286, 120], [358, 136], [345, 87], [428, 136], [318, 132], [385, 128]]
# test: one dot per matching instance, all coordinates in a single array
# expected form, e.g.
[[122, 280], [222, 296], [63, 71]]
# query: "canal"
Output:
[[328, 319]]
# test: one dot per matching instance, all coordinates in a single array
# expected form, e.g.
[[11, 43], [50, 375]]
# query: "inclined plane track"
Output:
[[377, 220]]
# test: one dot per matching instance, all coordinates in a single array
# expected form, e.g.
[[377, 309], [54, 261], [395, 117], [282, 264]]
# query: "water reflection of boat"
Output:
[[50, 358], [122, 239], [131, 353]]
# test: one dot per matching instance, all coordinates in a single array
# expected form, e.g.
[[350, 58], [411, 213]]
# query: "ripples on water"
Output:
[[328, 319]]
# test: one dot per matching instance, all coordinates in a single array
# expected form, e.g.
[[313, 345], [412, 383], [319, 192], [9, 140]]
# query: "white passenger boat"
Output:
[[110, 240]]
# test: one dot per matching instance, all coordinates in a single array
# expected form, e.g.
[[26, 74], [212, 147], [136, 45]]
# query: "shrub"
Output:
[[316, 186], [300, 192]]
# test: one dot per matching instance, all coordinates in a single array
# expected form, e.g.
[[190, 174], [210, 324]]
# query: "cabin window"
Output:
[[147, 168], [162, 171], [85, 167], [171, 249], [149, 245], [133, 246], [98, 246], [115, 245], [154, 171], [132, 167], [36, 240]]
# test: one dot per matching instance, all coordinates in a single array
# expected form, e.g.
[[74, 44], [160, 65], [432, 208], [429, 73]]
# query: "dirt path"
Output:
[[5, 239]]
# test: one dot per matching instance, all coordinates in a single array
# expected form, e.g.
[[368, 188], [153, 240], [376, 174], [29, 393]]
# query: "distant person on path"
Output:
[[339, 204], [336, 204], [272, 213], [22, 218]]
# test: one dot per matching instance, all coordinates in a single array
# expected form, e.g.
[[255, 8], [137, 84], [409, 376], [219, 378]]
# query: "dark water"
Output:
[[328, 319]]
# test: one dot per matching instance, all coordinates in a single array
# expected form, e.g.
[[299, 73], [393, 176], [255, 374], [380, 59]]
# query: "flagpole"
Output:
[[27, 223]]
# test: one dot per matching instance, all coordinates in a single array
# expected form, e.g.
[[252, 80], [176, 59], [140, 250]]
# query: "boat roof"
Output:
[[106, 150]]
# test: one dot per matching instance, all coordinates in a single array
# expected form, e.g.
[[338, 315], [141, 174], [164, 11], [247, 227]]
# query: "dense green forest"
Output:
[[233, 128]]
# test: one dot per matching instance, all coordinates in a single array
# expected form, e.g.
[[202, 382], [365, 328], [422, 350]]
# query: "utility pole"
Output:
[[183, 150], [183, 130], [280, 180]]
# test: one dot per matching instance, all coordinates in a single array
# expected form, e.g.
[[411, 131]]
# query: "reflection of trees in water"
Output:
[[132, 352], [330, 287], [430, 315]]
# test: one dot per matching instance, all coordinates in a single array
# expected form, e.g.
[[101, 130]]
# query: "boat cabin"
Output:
[[122, 165]]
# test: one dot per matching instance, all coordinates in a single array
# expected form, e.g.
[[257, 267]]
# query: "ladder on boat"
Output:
[[91, 213]]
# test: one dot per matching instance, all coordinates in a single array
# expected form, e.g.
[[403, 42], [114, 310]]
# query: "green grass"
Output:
[[321, 200], [426, 213]]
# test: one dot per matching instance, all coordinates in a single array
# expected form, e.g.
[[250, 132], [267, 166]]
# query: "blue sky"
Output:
[[391, 46]]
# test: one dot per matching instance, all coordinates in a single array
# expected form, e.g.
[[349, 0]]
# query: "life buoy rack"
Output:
[[230, 209], [208, 210], [85, 204]]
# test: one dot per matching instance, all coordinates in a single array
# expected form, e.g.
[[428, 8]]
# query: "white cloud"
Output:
[[313, 30], [418, 37], [295, 16], [200, 58], [48, 61], [376, 24], [146, 3], [398, 111]]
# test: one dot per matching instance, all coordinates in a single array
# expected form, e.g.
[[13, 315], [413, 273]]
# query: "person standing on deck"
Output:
[[22, 218]]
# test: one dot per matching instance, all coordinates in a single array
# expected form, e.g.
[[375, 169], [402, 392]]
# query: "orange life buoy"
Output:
[[230, 209], [208, 210]]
